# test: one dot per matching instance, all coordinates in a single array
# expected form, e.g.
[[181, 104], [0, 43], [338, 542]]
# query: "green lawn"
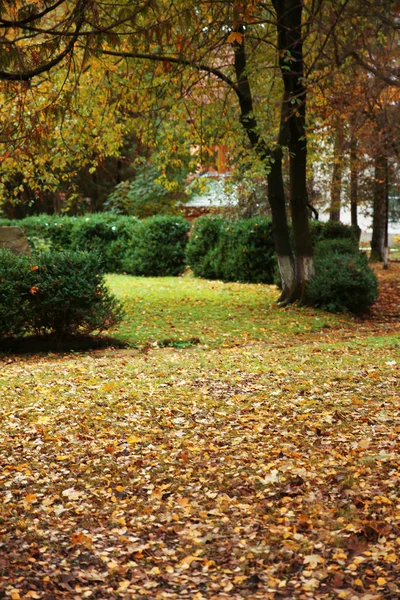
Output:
[[183, 311]]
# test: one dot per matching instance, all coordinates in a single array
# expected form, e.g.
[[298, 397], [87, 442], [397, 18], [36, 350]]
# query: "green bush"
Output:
[[15, 282], [62, 293], [201, 250], [331, 230], [338, 246], [53, 231], [157, 247], [106, 234], [342, 282], [246, 251]]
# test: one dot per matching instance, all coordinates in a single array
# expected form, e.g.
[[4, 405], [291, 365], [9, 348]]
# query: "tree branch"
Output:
[[27, 75], [179, 61]]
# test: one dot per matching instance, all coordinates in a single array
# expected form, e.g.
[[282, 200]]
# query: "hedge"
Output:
[[157, 247]]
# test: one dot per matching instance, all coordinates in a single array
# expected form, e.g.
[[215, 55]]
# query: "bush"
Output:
[[331, 230], [201, 250], [106, 234], [343, 282], [58, 292], [15, 283], [157, 247], [246, 251], [338, 246], [53, 231]]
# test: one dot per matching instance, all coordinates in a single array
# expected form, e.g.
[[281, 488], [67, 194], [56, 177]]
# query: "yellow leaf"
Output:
[[235, 36], [381, 581], [391, 557], [187, 561], [15, 595], [123, 585], [133, 439], [43, 420], [358, 582]]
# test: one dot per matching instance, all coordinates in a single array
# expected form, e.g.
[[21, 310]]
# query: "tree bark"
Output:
[[354, 184], [290, 45], [280, 229], [379, 222], [273, 163], [336, 184]]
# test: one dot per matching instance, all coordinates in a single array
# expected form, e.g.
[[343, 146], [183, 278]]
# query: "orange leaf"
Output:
[[235, 36], [29, 498]]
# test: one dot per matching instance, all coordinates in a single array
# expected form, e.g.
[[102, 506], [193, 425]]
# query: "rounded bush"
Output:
[[246, 251], [201, 251], [62, 293], [157, 247], [53, 231], [106, 234], [342, 282]]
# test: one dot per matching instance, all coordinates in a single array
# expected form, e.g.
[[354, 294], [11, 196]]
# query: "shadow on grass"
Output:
[[36, 344]]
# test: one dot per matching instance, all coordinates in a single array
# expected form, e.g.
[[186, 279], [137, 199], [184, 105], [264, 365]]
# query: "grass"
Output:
[[260, 463], [185, 311]]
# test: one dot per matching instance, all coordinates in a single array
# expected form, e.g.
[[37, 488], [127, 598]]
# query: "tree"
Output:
[[219, 48]]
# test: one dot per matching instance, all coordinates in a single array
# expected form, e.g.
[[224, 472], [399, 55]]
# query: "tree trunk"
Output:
[[290, 45], [280, 229], [273, 162], [354, 185], [379, 222], [336, 184]]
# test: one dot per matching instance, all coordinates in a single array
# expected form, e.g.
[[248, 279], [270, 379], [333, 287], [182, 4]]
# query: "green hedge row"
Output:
[[153, 246], [243, 251], [61, 293], [217, 249]]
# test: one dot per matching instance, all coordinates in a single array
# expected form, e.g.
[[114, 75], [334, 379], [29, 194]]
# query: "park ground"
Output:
[[234, 450]]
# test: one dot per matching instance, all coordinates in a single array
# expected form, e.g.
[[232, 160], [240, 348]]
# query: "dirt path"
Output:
[[387, 308]]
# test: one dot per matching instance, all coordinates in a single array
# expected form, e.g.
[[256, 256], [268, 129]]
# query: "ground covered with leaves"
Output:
[[256, 464]]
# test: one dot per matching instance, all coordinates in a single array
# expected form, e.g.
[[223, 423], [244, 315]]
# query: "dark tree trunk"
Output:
[[336, 184], [354, 185], [276, 197], [273, 163], [290, 45], [379, 222]]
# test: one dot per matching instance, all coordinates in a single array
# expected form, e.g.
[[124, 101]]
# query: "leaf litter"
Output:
[[234, 472]]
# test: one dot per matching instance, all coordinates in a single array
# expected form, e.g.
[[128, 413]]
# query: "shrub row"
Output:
[[244, 251], [61, 293], [153, 246], [217, 249]]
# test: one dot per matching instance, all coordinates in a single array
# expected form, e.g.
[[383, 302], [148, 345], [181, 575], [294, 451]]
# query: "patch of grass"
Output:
[[215, 313]]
